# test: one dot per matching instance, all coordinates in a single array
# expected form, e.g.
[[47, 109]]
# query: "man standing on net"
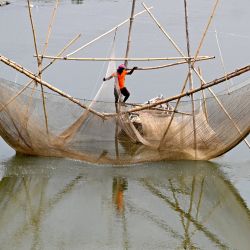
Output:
[[121, 75]]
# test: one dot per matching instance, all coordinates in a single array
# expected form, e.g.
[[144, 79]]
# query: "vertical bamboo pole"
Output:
[[130, 31], [39, 64], [190, 77], [192, 64]]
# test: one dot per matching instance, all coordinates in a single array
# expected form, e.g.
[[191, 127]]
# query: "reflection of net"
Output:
[[77, 133]]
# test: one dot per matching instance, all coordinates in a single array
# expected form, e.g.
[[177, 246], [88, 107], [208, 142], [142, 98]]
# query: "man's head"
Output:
[[121, 68]]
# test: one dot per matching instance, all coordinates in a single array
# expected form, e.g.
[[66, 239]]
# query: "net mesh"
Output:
[[127, 137]]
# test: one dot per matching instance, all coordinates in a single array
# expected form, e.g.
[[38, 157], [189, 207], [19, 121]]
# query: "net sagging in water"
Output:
[[126, 138]]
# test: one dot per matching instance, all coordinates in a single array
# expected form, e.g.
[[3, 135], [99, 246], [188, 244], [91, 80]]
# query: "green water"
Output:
[[48, 203], [65, 204]]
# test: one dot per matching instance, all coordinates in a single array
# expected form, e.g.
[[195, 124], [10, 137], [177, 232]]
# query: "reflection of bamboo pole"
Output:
[[153, 218], [28, 84], [177, 203], [190, 207], [104, 34], [122, 58], [200, 198], [188, 216], [42, 82], [130, 32]]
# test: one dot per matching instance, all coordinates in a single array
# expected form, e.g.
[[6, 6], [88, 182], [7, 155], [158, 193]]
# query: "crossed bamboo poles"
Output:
[[187, 59]]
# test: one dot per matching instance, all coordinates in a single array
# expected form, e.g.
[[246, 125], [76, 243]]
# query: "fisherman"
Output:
[[121, 74]]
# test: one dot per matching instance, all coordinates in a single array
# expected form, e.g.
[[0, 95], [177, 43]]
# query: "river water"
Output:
[[49, 203]]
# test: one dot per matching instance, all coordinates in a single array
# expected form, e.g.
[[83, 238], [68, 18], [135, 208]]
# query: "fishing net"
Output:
[[67, 130]]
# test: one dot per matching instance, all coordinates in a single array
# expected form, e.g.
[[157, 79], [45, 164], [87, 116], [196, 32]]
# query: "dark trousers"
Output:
[[124, 92]]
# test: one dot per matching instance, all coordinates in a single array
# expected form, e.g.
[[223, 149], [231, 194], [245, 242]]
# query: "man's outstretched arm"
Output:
[[132, 70]]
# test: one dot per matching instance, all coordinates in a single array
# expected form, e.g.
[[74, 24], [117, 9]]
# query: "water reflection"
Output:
[[61, 204]]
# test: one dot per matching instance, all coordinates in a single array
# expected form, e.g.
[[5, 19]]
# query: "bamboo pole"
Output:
[[50, 27], [185, 82], [188, 93], [42, 82], [122, 58], [130, 32], [172, 64], [33, 30], [104, 34], [221, 57], [203, 97], [190, 76], [178, 49], [63, 50], [48, 65], [39, 64]]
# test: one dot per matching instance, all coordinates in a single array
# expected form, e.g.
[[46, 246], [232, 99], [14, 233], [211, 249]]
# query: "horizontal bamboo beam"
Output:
[[122, 58], [174, 64], [42, 82]]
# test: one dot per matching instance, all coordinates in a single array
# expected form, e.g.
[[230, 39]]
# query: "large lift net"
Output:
[[67, 130]]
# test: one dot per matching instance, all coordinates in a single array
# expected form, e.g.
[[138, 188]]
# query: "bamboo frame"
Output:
[[104, 34], [44, 83], [47, 66], [188, 93], [178, 49]]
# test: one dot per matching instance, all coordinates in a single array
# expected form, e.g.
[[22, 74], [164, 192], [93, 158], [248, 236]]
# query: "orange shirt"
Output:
[[121, 78]]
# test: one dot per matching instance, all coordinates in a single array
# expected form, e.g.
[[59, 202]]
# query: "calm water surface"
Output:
[[48, 203]]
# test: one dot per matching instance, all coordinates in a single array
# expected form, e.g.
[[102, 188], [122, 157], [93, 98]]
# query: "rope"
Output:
[[222, 60]]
